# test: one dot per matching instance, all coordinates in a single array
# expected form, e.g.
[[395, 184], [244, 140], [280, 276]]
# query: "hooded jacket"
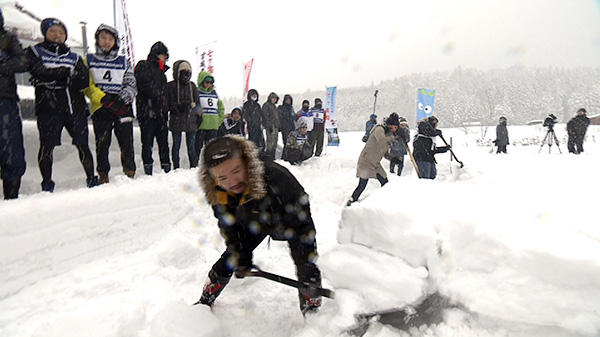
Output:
[[274, 204], [183, 99], [270, 115], [424, 146], [502, 134], [231, 127], [59, 77], [105, 67], [252, 113], [151, 100], [212, 116], [369, 162], [287, 115], [12, 61]]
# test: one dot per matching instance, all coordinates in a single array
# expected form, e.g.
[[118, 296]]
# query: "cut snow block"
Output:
[[380, 225], [184, 320]]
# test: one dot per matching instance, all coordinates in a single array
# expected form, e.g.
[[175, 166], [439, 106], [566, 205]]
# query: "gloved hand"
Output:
[[114, 105], [495, 141], [438, 132], [242, 269]]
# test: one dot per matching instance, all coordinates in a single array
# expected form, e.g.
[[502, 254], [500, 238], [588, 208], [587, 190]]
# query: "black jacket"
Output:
[[57, 100], [287, 115], [501, 134], [151, 100], [252, 114], [578, 125], [12, 60], [182, 99], [275, 204], [424, 148]]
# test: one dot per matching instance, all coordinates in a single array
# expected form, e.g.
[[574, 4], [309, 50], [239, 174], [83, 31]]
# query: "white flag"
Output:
[[122, 23], [205, 56]]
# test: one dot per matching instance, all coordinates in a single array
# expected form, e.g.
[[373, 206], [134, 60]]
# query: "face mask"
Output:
[[304, 108]]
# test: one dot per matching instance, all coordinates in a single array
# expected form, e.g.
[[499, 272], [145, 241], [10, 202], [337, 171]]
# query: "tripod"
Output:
[[550, 137]]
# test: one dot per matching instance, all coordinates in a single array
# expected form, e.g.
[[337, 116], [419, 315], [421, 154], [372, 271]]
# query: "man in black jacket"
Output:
[[425, 149], [253, 199], [577, 127], [12, 151], [59, 76], [152, 106], [252, 113], [501, 135]]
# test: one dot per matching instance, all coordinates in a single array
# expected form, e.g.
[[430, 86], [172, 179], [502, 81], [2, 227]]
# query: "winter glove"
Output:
[[115, 105], [438, 132], [495, 141], [241, 270]]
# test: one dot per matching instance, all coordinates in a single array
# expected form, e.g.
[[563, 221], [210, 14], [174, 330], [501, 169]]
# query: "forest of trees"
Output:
[[471, 96]]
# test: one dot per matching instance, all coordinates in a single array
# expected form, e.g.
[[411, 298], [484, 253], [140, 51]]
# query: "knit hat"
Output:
[[393, 119], [581, 110], [403, 120], [373, 116], [317, 101], [220, 150], [306, 101], [302, 125], [49, 22]]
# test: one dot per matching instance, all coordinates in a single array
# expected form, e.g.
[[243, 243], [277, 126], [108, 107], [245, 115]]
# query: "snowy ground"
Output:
[[518, 233]]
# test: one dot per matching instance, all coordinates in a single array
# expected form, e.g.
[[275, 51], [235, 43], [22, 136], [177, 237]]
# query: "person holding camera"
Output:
[[425, 149], [576, 128]]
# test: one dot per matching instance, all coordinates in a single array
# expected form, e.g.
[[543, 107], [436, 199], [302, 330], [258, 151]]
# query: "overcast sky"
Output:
[[299, 45]]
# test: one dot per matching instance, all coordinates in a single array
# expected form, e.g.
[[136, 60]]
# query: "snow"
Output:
[[517, 233]]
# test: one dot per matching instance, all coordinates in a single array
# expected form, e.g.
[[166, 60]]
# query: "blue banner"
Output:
[[425, 99], [333, 138]]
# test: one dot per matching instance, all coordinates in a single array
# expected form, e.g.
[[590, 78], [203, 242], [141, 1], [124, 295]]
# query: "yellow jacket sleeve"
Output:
[[94, 93]]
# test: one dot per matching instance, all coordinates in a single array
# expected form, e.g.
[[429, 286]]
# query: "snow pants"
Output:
[[155, 128], [12, 148], [104, 125]]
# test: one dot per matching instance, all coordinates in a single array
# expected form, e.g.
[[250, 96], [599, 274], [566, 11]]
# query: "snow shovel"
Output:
[[452, 152], [307, 288], [412, 158], [428, 310]]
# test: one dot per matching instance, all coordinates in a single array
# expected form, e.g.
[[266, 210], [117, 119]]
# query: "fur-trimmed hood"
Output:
[[256, 188]]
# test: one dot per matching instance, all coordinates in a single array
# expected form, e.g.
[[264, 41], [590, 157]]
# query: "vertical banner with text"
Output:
[[247, 70], [122, 25], [205, 57], [333, 138], [425, 98]]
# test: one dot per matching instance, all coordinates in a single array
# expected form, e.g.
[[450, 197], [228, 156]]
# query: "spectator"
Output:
[[501, 135], [59, 76], [233, 124], [212, 110], [287, 116], [12, 151], [398, 147], [252, 114], [318, 131], [271, 123], [152, 106], [111, 91], [297, 147], [576, 128], [182, 96]]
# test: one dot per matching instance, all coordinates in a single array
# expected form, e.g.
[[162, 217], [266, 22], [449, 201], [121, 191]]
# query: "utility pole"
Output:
[[84, 36]]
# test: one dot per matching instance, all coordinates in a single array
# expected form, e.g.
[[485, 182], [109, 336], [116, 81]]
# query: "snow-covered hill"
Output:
[[518, 237]]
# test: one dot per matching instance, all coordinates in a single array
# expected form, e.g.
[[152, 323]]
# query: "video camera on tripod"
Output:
[[550, 121]]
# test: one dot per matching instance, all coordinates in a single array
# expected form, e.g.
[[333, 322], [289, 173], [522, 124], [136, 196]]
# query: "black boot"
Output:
[[213, 288], [166, 167], [11, 189], [48, 186], [148, 169], [92, 181]]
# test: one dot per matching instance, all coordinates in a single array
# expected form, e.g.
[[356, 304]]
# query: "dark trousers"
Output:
[[303, 255], [190, 142], [575, 143], [501, 148], [45, 161], [203, 137], [397, 161], [12, 149], [316, 140], [362, 184], [103, 129], [155, 128], [256, 136], [427, 170]]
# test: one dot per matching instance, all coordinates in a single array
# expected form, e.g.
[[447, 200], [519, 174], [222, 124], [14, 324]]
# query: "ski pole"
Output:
[[412, 158], [309, 289], [452, 152]]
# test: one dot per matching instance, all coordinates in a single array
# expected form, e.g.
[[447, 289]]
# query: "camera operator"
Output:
[[577, 128]]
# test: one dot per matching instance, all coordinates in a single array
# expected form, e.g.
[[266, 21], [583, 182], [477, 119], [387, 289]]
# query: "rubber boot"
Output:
[[103, 178]]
